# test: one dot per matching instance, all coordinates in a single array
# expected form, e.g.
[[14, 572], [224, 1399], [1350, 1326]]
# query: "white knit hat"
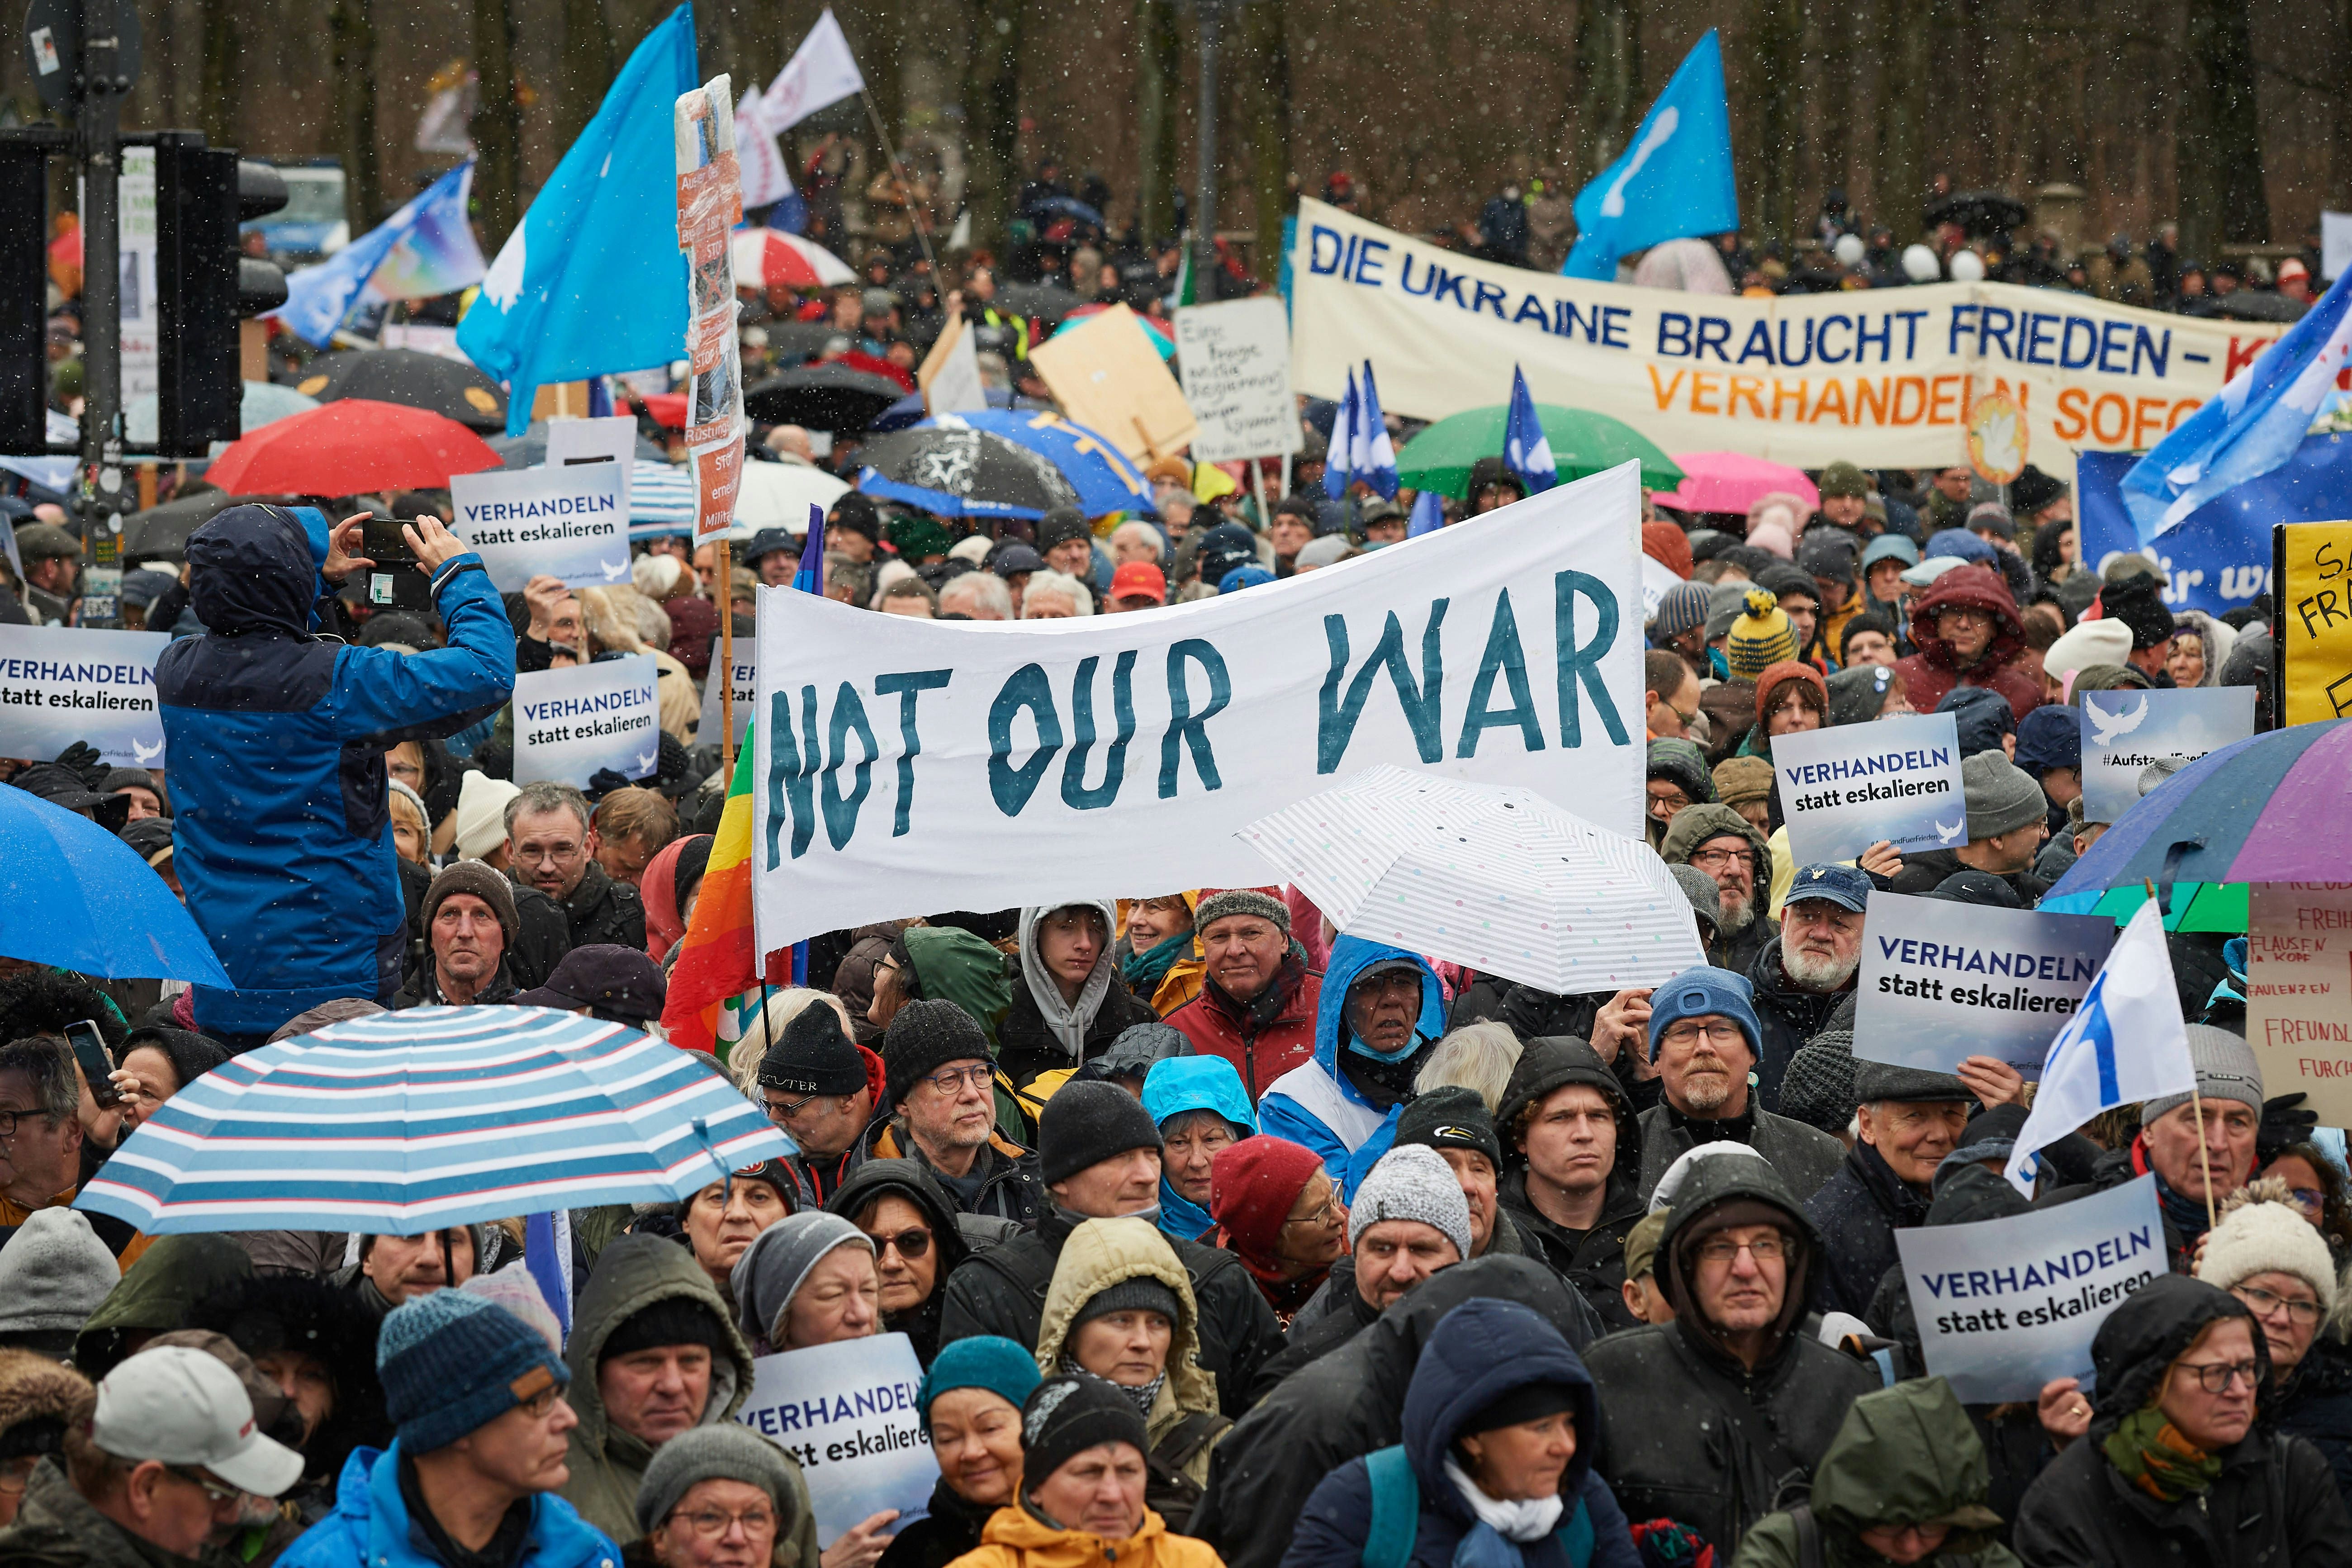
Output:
[[2086, 643], [482, 813], [1412, 1182], [2268, 1236]]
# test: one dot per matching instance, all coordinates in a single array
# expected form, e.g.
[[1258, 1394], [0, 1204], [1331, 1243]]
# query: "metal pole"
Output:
[[99, 492], [725, 575], [914, 215], [1204, 186]]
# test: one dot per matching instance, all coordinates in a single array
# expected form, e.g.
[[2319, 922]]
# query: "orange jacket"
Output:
[[1013, 1538]]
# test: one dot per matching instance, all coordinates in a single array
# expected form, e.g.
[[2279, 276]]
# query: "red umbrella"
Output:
[[771, 258], [349, 445]]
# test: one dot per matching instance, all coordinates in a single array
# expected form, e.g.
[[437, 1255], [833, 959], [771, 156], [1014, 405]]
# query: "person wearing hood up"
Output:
[[1676, 776], [907, 1217], [1069, 1003], [283, 835], [1381, 1013], [40, 1402], [971, 1404], [2175, 1468], [1906, 1481], [1968, 634], [1722, 842], [176, 1272], [1495, 1466], [1199, 1105], [1573, 1184], [2050, 750], [1278, 1211]]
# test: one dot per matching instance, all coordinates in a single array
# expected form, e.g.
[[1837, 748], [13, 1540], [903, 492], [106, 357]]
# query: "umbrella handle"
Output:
[[726, 1177], [2180, 849]]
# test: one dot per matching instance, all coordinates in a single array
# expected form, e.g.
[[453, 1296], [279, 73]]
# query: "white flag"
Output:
[[822, 72], [2126, 1044], [766, 181]]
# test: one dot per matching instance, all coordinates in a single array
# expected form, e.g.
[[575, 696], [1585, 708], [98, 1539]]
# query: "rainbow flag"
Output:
[[718, 958]]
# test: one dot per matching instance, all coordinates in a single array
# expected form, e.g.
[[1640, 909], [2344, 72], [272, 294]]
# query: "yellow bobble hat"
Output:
[[1760, 638]]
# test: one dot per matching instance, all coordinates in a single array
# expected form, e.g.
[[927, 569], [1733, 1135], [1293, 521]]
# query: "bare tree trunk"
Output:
[[1268, 108], [498, 125], [1609, 63], [874, 30], [1774, 37], [1158, 84], [350, 29], [583, 68], [991, 107], [2226, 150], [218, 94], [1904, 51]]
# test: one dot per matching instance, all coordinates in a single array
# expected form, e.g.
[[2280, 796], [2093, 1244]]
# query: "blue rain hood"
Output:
[[1479, 1351], [1181, 1084], [1350, 956], [255, 568]]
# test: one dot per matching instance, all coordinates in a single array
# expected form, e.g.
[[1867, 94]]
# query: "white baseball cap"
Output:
[[182, 1407]]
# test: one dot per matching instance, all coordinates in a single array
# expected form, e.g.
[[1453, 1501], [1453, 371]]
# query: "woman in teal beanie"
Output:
[[971, 1401]]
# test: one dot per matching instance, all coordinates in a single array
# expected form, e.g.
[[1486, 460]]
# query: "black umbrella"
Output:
[[796, 343], [1979, 214], [2247, 305], [448, 387], [963, 473], [1046, 301], [163, 531], [528, 451], [821, 398]]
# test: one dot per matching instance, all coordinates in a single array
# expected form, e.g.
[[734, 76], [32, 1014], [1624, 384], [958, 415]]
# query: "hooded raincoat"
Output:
[[1322, 1104], [1935, 669], [910, 1180], [1181, 1084], [1015, 1538], [1041, 1031], [371, 1527]]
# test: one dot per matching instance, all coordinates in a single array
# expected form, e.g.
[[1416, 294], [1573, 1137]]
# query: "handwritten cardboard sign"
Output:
[[2299, 992]]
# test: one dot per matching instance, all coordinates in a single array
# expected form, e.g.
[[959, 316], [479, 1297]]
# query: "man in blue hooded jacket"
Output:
[[282, 833], [1381, 1013]]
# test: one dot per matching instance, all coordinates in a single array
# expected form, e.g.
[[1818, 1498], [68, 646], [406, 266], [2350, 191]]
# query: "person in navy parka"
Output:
[[275, 742]]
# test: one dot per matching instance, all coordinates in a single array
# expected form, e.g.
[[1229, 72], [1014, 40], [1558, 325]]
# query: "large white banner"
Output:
[[905, 766], [847, 1414], [63, 684], [1885, 378]]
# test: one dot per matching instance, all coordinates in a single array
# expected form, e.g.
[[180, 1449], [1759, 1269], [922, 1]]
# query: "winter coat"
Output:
[[1177, 1086], [1736, 1436], [600, 910], [55, 1527], [2275, 1501], [1319, 1105], [949, 1528], [1804, 1156], [282, 830], [371, 1527], [1003, 1291], [1488, 1350], [1009, 1186], [1788, 1017], [1906, 1455], [912, 1181], [1015, 1538], [1925, 872], [1933, 670], [2315, 1405], [1858, 1210], [1593, 1261], [1041, 1031], [1351, 1403], [1265, 1042], [273, 1306], [156, 1297]]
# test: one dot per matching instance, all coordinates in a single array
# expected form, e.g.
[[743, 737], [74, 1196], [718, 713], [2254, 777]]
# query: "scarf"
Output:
[[1505, 1530], [2150, 1453], [1181, 1217], [2187, 1215], [1143, 1398], [1143, 971]]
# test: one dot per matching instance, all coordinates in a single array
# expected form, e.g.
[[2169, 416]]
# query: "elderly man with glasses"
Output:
[[1725, 845], [942, 1092]]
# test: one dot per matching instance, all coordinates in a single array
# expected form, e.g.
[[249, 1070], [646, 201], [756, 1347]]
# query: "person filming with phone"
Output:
[[276, 736]]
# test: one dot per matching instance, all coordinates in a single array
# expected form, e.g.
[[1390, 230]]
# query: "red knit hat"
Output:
[[1768, 684], [1252, 1185]]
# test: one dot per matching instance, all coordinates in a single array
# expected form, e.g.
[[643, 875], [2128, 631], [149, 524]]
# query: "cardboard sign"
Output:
[[948, 378], [1845, 788], [710, 205], [1106, 377], [2310, 563], [571, 724], [569, 523], [746, 692], [2006, 1305], [63, 684], [1942, 982], [847, 1412], [2123, 731], [2299, 992], [1236, 363]]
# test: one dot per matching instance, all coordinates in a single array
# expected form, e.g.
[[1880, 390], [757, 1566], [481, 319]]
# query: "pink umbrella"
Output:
[[1733, 481], [771, 258]]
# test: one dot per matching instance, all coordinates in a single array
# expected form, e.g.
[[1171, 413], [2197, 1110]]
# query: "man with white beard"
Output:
[[1704, 1037], [1725, 845], [1800, 976]]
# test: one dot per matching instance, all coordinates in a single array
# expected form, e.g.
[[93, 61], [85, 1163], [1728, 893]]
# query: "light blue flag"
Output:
[[592, 280], [1526, 448], [317, 298], [1428, 514], [1372, 456], [1341, 451], [1674, 181], [2252, 427]]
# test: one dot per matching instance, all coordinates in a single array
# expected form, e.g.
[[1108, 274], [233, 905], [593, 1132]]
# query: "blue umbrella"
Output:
[[74, 895], [909, 410], [400, 1123], [1106, 481]]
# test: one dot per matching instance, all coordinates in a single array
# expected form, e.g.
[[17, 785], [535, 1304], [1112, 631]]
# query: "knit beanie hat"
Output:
[[482, 813], [1455, 1117], [924, 1037], [1844, 479], [1761, 638], [473, 876], [1087, 1123], [2084, 644], [1680, 608], [2000, 797], [1641, 1243], [2050, 737], [1739, 780], [1817, 1088], [54, 1272], [1226, 901], [1857, 695], [1066, 1414], [1785, 673], [2138, 604], [2261, 1232], [1992, 515], [722, 1451], [983, 1361], [1136, 1293], [1412, 1182], [1253, 1186], [1669, 546], [451, 1363], [1699, 991], [778, 1261], [672, 1320], [1725, 603], [814, 1055], [2226, 1070]]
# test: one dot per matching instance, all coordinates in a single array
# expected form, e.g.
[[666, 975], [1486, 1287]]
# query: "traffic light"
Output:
[[205, 287]]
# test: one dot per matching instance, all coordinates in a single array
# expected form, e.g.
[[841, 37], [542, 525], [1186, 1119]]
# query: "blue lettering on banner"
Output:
[[1337, 716], [2040, 1273], [909, 687], [1076, 794], [1877, 763], [1575, 664], [80, 674], [1503, 657], [1184, 726], [840, 810], [1967, 959], [1026, 688]]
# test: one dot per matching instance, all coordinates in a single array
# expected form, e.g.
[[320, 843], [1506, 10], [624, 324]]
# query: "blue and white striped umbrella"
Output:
[[400, 1123], [661, 500]]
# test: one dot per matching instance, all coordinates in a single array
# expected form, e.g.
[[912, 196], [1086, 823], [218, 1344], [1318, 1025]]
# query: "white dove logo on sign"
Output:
[[645, 761], [1945, 835], [1613, 204], [2112, 726], [146, 753], [612, 571]]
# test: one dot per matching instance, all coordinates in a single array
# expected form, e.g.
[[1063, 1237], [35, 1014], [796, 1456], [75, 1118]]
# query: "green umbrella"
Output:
[[1582, 443]]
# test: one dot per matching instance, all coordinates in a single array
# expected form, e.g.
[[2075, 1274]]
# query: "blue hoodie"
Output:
[[276, 740], [371, 1527], [1180, 1084], [1315, 1105], [1479, 1351]]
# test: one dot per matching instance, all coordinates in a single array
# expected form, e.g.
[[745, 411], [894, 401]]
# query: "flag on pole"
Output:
[[1526, 448], [718, 959], [2125, 1043], [822, 72], [1428, 514], [547, 1258], [766, 181], [809, 578], [1673, 182], [426, 247], [1340, 456], [592, 279], [1371, 455]]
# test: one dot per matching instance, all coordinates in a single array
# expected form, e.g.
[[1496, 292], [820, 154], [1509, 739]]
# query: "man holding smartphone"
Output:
[[277, 736]]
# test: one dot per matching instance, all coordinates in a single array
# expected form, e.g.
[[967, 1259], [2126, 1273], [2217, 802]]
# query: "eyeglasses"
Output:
[[711, 1523], [212, 1489], [784, 1111], [909, 1244], [949, 1084], [1713, 860], [1690, 1031], [1966, 615], [8, 1119], [2265, 1302], [540, 1404], [2308, 1197], [1763, 1249], [1324, 1215], [2215, 1377], [16, 1473]]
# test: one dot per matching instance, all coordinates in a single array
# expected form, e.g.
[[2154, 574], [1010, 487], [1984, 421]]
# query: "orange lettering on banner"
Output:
[[1943, 390], [1749, 387], [2183, 410], [1665, 395], [2071, 422], [1782, 391], [2147, 414], [2111, 402], [1918, 386], [1704, 384], [1869, 401], [1834, 397]]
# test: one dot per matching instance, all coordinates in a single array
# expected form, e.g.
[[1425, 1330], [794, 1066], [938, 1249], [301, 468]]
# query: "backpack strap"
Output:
[[1396, 1509], [1809, 1536], [1032, 1276], [1576, 1536], [1185, 1440]]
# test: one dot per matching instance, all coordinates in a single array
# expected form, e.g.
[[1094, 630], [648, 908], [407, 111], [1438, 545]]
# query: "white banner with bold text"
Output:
[[904, 766], [847, 1412], [570, 724], [63, 684], [571, 522]]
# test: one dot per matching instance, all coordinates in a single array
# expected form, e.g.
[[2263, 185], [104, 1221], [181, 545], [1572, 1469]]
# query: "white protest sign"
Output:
[[63, 684], [904, 766], [2125, 730], [1658, 580], [569, 724], [747, 674], [847, 1412], [609, 439], [950, 374], [2299, 992], [2006, 1305], [2334, 245], [1845, 788], [1943, 982], [568, 522], [1235, 360]]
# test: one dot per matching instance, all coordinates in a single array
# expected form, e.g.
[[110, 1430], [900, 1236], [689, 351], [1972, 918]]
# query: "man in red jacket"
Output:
[[1968, 634], [1256, 1005]]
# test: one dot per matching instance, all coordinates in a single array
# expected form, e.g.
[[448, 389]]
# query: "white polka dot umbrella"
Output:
[[1490, 875]]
